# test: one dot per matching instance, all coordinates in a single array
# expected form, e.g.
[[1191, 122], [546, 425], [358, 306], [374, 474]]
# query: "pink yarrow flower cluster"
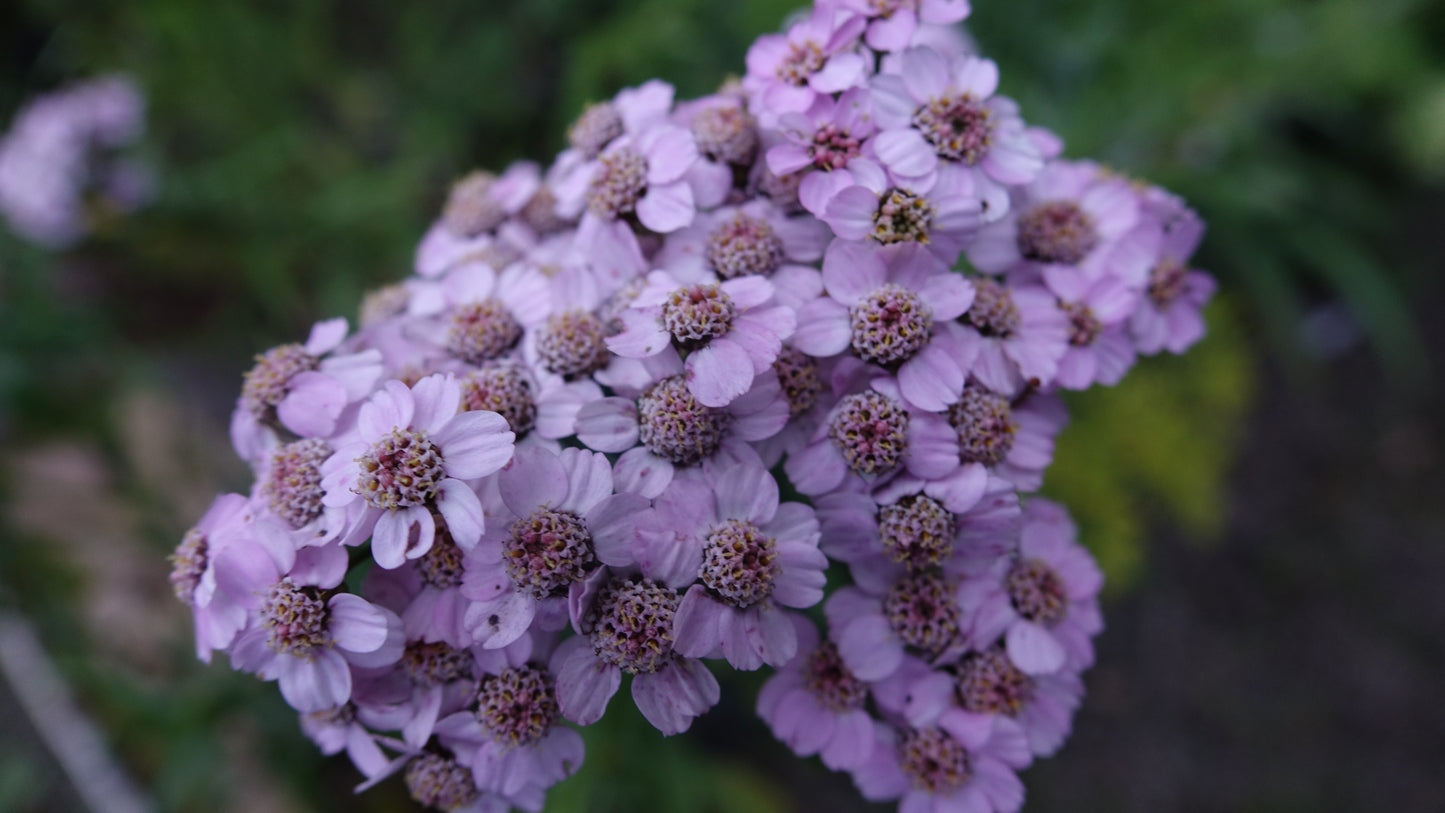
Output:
[[630, 406], [64, 161]]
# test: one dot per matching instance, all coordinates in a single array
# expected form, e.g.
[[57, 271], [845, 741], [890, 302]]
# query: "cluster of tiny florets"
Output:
[[766, 379], [632, 625], [675, 427], [505, 389], [548, 551], [401, 470], [744, 245], [293, 488], [871, 430], [518, 706]]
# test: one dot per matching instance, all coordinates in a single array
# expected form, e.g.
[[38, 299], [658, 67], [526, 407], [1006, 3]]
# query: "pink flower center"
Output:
[[917, 531], [188, 563], [902, 217], [595, 129], [921, 609], [1036, 591], [696, 314], [632, 625], [296, 619], [993, 312], [1166, 282], [400, 470], [986, 429], [1084, 326], [572, 343], [829, 679], [989, 683], [739, 563], [432, 664], [726, 133], [743, 246], [618, 302], [798, 377], [540, 212], [1056, 232], [383, 303], [480, 331], [871, 430], [802, 61], [504, 389], [267, 383], [469, 210], [517, 707], [440, 782], [618, 184], [960, 128], [781, 189], [547, 551], [833, 147], [890, 325], [293, 481], [441, 566], [934, 761], [674, 426]]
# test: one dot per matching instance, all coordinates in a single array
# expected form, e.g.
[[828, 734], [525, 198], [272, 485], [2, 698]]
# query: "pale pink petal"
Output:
[[388, 409], [585, 684], [823, 328], [949, 295], [608, 425], [670, 156], [818, 188], [613, 524], [976, 76], [475, 444], [462, 511], [675, 694], [787, 158], [852, 742], [905, 152], [852, 270], [389, 539], [746, 492], [355, 623], [869, 648], [1033, 649], [642, 335], [894, 32], [312, 404], [535, 479], [931, 379], [719, 373], [925, 73], [437, 398], [841, 72], [589, 479], [641, 472], [315, 684], [851, 211], [666, 207], [697, 626], [325, 336]]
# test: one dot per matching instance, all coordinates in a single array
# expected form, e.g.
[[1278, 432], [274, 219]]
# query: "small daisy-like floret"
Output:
[[414, 451], [730, 331]]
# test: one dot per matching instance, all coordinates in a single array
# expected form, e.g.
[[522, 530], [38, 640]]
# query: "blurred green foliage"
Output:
[[302, 147]]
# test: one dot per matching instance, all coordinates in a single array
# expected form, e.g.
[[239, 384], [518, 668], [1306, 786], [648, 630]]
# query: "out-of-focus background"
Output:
[[1270, 508]]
